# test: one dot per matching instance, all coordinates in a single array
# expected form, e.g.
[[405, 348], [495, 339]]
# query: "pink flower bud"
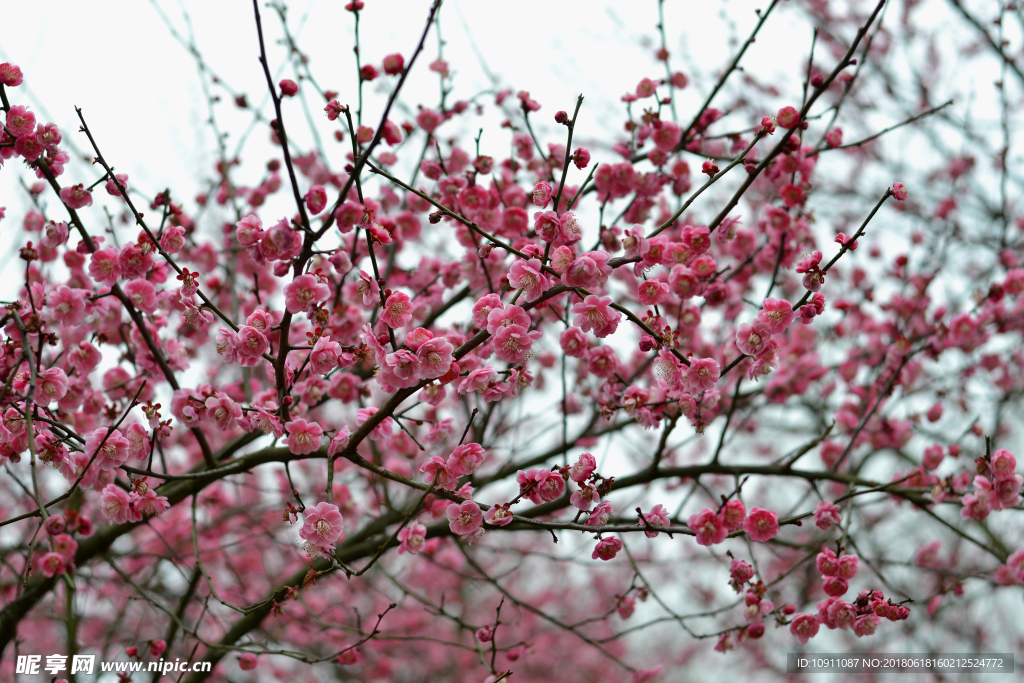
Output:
[[394, 64], [247, 661], [647, 343], [741, 571], [835, 586], [581, 157], [316, 199], [368, 72], [788, 117], [54, 525]]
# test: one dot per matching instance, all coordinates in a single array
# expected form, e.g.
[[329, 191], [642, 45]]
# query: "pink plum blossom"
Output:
[[804, 626], [761, 525], [585, 498], [304, 293], [324, 356], [606, 549], [465, 459], [597, 315], [224, 411], [465, 518], [826, 515], [527, 275], [322, 526], [412, 538], [437, 472], [368, 289], [435, 358], [584, 466], [708, 527], [544, 485], [753, 339], [116, 505], [397, 310], [109, 448], [656, 517], [703, 374], [303, 437]]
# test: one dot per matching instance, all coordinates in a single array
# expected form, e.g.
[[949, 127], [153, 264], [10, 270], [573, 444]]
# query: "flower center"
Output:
[[323, 528]]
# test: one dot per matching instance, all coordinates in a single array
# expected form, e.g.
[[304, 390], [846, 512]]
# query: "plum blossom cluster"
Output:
[[755, 339], [757, 606], [60, 533], [712, 527], [303, 342], [120, 506], [445, 473], [862, 616], [997, 491]]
